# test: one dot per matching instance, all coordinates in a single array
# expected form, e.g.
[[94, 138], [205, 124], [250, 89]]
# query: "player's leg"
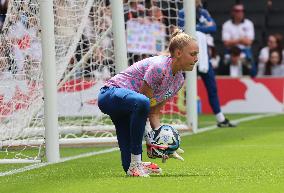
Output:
[[126, 102], [139, 106], [118, 102], [211, 88], [123, 137], [110, 105]]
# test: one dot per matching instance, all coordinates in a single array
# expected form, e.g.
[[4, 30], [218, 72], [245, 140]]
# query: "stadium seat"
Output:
[[276, 19], [255, 5], [217, 6], [220, 18], [275, 29], [277, 5], [257, 18]]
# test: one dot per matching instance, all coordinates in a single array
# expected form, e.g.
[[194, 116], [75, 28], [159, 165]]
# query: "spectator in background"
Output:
[[239, 31], [34, 52], [19, 38], [3, 11], [146, 31], [107, 47], [274, 41], [206, 24], [133, 9], [274, 65], [269, 4], [234, 65], [155, 14], [169, 10], [102, 60]]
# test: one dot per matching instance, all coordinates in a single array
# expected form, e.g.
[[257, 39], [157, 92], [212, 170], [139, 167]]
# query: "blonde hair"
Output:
[[179, 40]]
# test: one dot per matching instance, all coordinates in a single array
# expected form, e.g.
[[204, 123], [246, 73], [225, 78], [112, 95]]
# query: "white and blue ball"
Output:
[[162, 142]]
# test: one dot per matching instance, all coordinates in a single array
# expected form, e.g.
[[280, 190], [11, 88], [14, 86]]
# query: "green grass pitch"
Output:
[[249, 158]]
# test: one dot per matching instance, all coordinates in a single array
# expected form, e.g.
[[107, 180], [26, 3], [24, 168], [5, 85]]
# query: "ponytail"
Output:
[[178, 40]]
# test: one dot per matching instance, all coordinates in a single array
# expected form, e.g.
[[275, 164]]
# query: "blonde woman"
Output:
[[139, 92]]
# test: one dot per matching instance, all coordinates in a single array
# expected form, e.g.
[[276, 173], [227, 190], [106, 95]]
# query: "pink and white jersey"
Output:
[[157, 72]]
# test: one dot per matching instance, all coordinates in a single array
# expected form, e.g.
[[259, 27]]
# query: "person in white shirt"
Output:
[[239, 31]]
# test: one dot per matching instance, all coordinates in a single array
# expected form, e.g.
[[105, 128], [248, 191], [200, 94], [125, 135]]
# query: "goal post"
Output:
[[93, 40], [191, 77], [49, 77], [120, 49]]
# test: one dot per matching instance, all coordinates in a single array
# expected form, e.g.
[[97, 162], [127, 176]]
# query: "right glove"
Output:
[[175, 155], [180, 151]]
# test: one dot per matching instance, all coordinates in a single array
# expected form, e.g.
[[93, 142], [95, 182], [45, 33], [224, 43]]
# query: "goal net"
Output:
[[148, 26], [84, 60]]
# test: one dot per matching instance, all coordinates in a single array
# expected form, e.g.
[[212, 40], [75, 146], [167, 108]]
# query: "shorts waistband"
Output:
[[109, 86]]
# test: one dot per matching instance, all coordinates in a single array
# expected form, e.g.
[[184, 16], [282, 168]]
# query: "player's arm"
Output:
[[154, 115], [246, 41], [209, 26], [231, 43]]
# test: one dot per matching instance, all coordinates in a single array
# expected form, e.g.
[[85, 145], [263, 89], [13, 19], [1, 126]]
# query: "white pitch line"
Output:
[[39, 165], [201, 130], [237, 121]]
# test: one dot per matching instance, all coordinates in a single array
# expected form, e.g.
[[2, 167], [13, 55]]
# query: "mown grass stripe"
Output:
[[39, 165]]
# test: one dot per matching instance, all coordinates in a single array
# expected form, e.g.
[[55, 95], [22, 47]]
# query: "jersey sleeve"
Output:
[[153, 76]]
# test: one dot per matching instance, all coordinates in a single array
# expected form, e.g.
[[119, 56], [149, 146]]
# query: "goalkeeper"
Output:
[[139, 92]]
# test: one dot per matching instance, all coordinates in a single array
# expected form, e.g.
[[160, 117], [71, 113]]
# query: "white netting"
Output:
[[149, 25], [84, 60], [20, 79]]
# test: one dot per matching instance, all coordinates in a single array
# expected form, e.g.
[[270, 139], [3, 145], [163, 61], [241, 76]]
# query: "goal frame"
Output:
[[52, 142]]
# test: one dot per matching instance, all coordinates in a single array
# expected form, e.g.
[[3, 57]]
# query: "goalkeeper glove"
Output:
[[180, 151], [175, 155]]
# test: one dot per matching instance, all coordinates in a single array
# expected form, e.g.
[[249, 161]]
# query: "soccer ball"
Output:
[[162, 142]]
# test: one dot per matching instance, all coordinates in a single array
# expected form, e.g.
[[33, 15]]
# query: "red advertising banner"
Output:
[[246, 95], [79, 97]]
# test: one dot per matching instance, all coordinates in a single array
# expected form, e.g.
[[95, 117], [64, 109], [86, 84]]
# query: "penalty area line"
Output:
[[201, 130]]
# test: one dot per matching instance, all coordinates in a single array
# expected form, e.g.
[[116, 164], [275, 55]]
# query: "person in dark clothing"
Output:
[[206, 24]]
